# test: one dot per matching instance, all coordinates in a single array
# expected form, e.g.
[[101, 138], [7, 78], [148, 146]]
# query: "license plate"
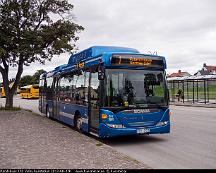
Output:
[[141, 131]]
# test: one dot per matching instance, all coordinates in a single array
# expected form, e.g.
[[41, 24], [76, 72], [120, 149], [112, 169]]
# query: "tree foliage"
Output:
[[36, 76], [33, 30], [28, 79]]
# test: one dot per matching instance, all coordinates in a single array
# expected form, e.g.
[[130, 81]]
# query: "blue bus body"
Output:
[[104, 116]]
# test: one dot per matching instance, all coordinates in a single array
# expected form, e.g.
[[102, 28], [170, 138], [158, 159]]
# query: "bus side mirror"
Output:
[[101, 72]]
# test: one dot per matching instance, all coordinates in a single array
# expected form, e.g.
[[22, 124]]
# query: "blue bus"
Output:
[[108, 91]]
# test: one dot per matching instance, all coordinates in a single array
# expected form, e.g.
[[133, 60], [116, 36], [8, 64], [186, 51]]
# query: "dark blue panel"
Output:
[[67, 112]]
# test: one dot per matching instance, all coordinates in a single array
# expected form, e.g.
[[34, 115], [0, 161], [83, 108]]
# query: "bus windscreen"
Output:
[[134, 88]]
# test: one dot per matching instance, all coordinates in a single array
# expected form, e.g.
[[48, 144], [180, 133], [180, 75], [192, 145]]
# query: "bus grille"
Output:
[[141, 124]]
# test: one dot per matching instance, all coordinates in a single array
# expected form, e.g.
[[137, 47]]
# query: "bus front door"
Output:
[[42, 98], [55, 99], [93, 103]]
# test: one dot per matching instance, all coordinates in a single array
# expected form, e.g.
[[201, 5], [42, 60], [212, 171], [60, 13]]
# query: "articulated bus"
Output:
[[108, 91], [29, 92]]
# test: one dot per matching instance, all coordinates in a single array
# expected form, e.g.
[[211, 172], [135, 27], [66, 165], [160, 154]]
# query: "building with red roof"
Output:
[[179, 74], [207, 70]]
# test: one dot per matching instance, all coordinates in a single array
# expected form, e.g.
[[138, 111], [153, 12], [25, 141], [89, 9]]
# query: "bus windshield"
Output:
[[135, 88]]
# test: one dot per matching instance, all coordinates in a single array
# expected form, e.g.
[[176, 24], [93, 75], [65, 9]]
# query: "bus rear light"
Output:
[[170, 113], [115, 126], [104, 116]]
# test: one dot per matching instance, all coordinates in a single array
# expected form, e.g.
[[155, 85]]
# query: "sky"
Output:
[[184, 31]]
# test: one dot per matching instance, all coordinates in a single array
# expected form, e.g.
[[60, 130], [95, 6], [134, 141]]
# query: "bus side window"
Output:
[[41, 86], [79, 90], [60, 89], [73, 88], [86, 85], [65, 88], [56, 85], [49, 82]]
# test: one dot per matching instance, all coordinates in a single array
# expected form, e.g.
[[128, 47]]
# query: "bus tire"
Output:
[[47, 112], [78, 123]]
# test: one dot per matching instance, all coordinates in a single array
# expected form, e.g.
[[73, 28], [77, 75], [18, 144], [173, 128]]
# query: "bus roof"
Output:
[[96, 51], [91, 55], [60, 67], [29, 86]]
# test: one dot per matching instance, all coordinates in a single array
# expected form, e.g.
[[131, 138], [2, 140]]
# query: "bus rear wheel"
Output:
[[47, 112], [78, 124]]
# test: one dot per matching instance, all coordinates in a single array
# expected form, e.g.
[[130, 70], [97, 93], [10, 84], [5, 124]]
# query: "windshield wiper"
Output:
[[156, 105], [132, 106], [141, 105]]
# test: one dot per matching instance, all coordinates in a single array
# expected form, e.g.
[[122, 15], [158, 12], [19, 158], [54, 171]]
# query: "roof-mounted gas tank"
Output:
[[96, 51]]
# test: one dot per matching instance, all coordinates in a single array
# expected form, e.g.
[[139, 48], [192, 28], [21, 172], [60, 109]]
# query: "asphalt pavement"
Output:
[[191, 143], [30, 104]]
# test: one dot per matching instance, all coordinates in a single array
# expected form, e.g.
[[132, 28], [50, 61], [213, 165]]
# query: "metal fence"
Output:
[[193, 89]]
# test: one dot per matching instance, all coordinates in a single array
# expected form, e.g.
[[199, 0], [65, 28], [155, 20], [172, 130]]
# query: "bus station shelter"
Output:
[[193, 89]]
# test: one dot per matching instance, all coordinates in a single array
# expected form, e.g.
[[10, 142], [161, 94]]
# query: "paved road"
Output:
[[30, 141], [191, 143]]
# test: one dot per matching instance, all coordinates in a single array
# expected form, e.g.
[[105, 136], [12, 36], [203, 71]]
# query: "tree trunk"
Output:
[[9, 92], [9, 100]]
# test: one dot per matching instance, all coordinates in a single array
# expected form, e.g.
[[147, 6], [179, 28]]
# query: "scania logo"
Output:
[[140, 111]]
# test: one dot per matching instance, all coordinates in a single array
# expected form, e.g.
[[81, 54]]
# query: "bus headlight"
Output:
[[162, 123], [116, 126]]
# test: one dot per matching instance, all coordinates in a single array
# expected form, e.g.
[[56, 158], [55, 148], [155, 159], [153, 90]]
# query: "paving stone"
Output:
[[31, 141]]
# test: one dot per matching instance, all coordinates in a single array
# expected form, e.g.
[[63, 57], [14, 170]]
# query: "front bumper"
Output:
[[106, 132]]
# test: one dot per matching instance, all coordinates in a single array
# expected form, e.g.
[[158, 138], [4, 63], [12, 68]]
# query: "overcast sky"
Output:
[[184, 31]]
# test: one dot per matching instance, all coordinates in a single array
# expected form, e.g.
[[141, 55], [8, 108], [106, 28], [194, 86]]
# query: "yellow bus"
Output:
[[3, 90], [29, 91]]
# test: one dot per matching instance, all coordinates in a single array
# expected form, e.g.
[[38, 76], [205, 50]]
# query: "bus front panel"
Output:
[[134, 122], [135, 102]]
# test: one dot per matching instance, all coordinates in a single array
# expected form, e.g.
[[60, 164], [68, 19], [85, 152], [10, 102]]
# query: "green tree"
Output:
[[36, 76], [26, 80], [29, 33]]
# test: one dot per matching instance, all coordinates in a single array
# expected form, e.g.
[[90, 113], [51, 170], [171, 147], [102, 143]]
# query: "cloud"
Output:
[[183, 31]]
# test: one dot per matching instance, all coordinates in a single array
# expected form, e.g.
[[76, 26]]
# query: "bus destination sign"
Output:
[[137, 60], [140, 61]]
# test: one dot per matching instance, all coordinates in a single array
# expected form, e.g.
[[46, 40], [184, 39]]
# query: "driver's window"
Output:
[[154, 85], [159, 87]]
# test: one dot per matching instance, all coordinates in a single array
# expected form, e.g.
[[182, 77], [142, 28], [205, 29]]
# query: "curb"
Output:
[[195, 105]]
